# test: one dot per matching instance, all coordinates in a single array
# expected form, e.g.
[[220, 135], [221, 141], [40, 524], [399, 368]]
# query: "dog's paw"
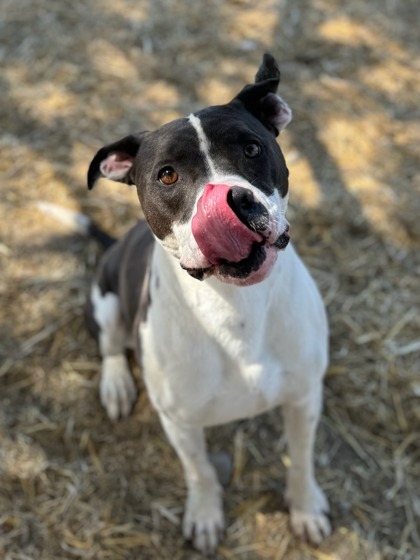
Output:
[[204, 520], [308, 517], [310, 527], [117, 389]]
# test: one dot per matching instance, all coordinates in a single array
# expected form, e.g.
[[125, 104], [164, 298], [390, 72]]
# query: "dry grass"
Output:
[[78, 74]]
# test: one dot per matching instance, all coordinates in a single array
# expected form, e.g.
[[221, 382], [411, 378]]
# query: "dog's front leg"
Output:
[[308, 504], [203, 517], [117, 389]]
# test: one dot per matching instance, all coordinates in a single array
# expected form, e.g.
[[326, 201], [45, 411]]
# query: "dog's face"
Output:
[[213, 186]]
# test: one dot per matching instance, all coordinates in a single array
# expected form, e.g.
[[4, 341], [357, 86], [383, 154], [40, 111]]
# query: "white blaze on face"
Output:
[[203, 142]]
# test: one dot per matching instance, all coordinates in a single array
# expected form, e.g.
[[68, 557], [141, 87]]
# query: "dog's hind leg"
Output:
[[203, 516], [117, 388], [307, 502]]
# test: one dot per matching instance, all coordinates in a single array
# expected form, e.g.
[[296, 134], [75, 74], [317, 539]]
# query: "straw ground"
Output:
[[78, 74]]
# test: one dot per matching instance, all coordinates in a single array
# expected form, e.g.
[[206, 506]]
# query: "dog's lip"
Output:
[[198, 273], [283, 239], [201, 273]]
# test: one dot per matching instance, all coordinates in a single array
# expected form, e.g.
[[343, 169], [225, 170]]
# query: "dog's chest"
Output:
[[206, 352]]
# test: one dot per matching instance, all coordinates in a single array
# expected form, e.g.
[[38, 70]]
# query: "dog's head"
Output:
[[213, 186]]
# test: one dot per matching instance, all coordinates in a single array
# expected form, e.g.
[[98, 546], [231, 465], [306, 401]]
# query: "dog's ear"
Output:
[[261, 98], [115, 161]]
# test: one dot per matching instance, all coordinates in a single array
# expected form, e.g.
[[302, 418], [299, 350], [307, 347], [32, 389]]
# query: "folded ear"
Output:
[[115, 161], [261, 98]]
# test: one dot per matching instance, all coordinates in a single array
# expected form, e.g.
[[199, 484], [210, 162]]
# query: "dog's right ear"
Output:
[[115, 161], [261, 98]]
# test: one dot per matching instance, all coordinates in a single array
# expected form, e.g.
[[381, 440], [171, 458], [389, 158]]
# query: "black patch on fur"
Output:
[[229, 129]]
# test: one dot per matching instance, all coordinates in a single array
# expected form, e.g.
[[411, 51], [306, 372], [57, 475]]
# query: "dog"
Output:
[[225, 319]]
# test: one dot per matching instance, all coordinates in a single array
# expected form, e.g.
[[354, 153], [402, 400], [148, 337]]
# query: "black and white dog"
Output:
[[225, 324]]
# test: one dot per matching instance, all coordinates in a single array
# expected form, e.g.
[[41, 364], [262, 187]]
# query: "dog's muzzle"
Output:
[[254, 214], [232, 230]]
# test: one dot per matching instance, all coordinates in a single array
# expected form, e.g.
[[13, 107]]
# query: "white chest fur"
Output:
[[213, 352]]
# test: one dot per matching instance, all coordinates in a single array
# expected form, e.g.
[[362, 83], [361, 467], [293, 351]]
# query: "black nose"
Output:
[[251, 212]]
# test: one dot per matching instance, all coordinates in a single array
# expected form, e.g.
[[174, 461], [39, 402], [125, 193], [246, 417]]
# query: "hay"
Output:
[[76, 75]]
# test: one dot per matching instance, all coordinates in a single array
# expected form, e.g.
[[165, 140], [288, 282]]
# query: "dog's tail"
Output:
[[79, 223]]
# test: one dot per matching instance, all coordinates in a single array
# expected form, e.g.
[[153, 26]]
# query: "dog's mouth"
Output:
[[232, 230], [250, 270]]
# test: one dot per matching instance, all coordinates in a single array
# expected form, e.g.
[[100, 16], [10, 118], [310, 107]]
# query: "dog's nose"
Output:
[[251, 212]]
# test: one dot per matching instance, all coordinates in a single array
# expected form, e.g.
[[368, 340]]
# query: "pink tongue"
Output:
[[219, 232]]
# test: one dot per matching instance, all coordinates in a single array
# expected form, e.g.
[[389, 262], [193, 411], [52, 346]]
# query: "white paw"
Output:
[[203, 519], [310, 527], [117, 389], [308, 514]]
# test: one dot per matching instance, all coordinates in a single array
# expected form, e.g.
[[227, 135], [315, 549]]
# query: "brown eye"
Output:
[[252, 150], [168, 176]]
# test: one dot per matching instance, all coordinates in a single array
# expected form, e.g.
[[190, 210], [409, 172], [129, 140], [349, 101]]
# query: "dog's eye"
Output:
[[168, 176], [252, 150]]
